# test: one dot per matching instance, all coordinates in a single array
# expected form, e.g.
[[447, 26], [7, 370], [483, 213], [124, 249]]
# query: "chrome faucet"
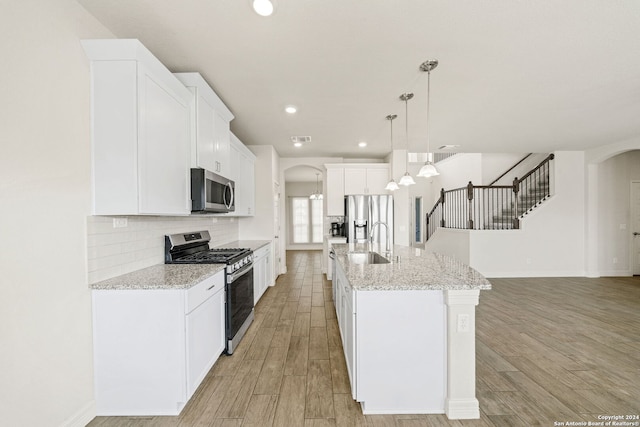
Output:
[[373, 227]]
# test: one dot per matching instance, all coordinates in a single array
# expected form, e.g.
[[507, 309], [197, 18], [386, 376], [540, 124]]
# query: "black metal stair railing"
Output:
[[490, 207]]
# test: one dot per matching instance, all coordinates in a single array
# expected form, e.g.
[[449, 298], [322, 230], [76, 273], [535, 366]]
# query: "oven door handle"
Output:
[[236, 274]]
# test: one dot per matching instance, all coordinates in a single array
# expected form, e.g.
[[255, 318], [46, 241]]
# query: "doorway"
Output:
[[417, 239], [635, 227]]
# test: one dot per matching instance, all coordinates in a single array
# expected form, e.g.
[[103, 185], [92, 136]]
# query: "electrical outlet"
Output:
[[615, 260], [214, 220], [528, 260], [623, 226], [120, 222], [463, 323]]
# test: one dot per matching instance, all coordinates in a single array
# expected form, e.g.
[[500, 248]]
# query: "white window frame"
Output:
[[310, 221]]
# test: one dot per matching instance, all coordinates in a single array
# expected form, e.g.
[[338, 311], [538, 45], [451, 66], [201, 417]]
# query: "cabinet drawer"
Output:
[[199, 293], [262, 252]]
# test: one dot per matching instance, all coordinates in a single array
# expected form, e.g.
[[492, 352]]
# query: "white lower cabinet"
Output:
[[205, 338], [262, 273], [327, 262], [394, 347], [152, 348]]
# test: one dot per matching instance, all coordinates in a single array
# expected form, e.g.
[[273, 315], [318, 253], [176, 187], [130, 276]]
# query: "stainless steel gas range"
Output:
[[193, 248]]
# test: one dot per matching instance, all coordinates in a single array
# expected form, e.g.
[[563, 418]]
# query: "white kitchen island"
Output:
[[408, 330]]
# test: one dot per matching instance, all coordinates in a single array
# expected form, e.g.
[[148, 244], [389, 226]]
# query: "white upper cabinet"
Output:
[[140, 132], [210, 123], [335, 190], [242, 162], [366, 179], [377, 179], [353, 178]]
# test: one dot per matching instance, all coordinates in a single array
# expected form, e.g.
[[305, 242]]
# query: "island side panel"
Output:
[[461, 402], [401, 351]]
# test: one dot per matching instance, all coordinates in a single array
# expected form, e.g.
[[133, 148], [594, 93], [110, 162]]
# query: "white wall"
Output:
[[46, 376], [614, 231], [401, 199], [550, 241], [495, 164]]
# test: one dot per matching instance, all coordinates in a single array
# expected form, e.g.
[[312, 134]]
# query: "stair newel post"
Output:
[[442, 203], [516, 189], [426, 227], [470, 206]]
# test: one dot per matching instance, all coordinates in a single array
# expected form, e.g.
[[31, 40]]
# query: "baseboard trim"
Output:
[[531, 273], [82, 417], [462, 409], [615, 273]]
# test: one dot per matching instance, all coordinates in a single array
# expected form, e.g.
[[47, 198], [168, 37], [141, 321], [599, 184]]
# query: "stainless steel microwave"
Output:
[[211, 193]]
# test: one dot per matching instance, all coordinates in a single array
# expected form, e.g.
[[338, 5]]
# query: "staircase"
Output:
[[527, 200], [491, 207]]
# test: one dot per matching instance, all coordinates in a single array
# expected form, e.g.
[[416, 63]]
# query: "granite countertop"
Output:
[[162, 276], [172, 276], [409, 269]]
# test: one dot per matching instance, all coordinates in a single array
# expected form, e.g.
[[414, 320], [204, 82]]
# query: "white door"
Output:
[[635, 226], [276, 229]]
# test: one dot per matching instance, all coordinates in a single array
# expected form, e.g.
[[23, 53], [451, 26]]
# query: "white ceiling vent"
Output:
[[301, 139]]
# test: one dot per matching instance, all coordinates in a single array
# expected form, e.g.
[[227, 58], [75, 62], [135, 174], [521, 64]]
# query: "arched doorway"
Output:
[[613, 174]]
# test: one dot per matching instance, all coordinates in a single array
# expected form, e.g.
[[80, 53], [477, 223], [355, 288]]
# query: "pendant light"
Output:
[[317, 195], [406, 179], [429, 169], [391, 185]]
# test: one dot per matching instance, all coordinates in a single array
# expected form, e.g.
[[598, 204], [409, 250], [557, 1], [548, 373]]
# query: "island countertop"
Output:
[[408, 269]]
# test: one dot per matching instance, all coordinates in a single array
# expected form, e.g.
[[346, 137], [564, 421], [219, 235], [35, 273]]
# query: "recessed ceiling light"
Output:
[[263, 7], [291, 109], [362, 144], [297, 144]]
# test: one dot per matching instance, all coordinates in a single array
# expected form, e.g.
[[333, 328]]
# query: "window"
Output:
[[306, 220]]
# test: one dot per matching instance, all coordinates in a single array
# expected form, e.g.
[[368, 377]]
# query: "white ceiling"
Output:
[[514, 75]]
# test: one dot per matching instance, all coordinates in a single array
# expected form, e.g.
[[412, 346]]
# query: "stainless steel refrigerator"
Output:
[[364, 214]]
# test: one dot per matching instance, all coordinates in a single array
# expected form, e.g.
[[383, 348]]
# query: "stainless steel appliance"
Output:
[[211, 193], [193, 248], [369, 218]]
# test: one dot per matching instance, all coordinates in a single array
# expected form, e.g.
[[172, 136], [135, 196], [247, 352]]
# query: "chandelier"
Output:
[[317, 195]]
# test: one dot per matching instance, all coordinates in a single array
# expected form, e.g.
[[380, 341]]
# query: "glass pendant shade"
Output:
[[392, 185], [406, 180], [428, 170]]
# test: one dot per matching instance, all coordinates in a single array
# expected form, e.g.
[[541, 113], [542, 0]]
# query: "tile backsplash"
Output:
[[114, 251]]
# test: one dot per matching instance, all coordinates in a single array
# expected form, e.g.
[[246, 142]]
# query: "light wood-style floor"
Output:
[[548, 350]]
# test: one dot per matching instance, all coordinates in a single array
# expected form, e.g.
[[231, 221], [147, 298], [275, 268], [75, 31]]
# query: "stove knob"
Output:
[[237, 265]]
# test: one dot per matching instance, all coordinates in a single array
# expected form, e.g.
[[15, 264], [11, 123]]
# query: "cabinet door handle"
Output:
[[211, 287]]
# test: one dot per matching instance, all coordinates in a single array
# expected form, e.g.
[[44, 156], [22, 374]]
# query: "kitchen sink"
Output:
[[367, 258]]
